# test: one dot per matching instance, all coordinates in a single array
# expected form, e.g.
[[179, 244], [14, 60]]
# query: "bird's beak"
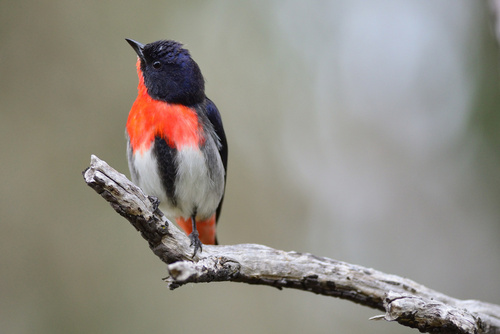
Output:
[[138, 47]]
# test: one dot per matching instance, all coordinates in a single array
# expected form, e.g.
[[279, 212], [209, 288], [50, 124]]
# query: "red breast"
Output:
[[148, 118]]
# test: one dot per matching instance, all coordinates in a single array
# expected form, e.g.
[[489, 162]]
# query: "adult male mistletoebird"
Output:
[[176, 145]]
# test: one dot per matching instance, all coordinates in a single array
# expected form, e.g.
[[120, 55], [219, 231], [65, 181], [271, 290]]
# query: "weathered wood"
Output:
[[402, 300]]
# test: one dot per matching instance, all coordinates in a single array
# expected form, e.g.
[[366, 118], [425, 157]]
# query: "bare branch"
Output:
[[402, 300]]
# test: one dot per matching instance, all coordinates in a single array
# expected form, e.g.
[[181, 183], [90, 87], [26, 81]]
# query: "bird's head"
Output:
[[169, 72]]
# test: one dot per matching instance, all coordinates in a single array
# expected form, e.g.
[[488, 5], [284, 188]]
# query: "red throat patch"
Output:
[[149, 118]]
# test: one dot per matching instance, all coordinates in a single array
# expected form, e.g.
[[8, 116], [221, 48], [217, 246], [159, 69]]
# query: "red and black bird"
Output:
[[176, 145]]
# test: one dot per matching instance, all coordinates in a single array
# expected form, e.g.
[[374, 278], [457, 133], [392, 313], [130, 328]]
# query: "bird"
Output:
[[176, 145]]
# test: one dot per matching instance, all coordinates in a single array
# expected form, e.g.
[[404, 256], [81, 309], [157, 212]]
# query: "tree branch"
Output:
[[402, 300]]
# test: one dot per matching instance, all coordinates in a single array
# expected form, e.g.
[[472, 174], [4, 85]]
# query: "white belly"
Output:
[[195, 187], [148, 179]]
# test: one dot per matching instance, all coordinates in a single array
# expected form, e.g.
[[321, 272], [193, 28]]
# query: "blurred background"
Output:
[[367, 132]]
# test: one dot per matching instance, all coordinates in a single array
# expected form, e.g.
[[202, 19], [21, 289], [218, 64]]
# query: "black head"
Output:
[[170, 74]]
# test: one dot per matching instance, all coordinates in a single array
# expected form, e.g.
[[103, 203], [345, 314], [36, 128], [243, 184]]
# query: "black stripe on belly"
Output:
[[165, 156]]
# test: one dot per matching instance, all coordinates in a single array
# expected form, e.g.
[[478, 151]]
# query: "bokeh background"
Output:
[[365, 131]]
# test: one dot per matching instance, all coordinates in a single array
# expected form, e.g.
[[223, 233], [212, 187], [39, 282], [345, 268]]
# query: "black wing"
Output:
[[214, 118]]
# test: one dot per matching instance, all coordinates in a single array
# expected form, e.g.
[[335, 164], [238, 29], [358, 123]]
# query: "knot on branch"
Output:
[[207, 269], [429, 315]]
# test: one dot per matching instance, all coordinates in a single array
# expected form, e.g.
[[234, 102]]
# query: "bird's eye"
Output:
[[156, 65]]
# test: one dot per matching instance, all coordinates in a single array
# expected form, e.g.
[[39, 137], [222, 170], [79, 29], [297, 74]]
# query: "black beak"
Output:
[[138, 47]]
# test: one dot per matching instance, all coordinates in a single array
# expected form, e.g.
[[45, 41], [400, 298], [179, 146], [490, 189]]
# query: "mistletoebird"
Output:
[[176, 145]]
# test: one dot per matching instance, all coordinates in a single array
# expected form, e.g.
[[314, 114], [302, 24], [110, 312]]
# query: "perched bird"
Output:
[[176, 145]]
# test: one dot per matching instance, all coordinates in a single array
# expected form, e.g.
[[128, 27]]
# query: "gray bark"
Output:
[[403, 300]]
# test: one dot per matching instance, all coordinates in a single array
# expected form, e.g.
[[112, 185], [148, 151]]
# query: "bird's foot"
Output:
[[155, 202], [195, 241]]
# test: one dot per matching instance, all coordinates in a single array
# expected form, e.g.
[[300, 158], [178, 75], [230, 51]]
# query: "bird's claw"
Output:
[[155, 202], [195, 242]]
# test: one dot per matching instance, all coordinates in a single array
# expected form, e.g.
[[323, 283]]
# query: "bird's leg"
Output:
[[194, 236]]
